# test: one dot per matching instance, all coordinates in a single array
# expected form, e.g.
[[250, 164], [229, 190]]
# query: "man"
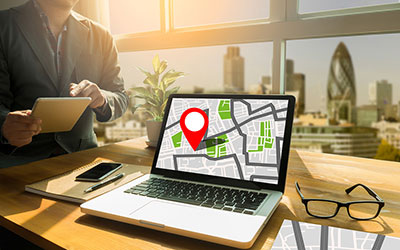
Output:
[[48, 50]]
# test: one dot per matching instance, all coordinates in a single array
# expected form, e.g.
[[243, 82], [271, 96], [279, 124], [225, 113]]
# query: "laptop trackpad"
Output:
[[198, 219]]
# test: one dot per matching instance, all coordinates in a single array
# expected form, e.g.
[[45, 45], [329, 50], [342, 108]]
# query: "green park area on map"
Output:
[[216, 146]]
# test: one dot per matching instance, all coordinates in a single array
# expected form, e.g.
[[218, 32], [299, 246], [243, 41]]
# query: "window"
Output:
[[134, 16], [189, 13], [311, 6]]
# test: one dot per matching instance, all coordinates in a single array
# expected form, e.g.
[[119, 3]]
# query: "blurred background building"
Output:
[[341, 92], [295, 85], [233, 70], [380, 95], [389, 131], [351, 140]]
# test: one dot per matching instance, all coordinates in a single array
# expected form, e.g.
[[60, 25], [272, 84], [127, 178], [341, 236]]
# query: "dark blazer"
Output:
[[27, 71]]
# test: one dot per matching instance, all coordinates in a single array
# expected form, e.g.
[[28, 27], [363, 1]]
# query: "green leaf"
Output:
[[147, 106], [171, 91], [151, 80], [134, 108], [148, 74], [163, 66], [156, 64], [163, 105], [151, 100], [154, 115], [141, 92], [170, 77], [160, 95]]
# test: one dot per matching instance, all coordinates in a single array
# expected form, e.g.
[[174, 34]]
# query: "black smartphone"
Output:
[[99, 172]]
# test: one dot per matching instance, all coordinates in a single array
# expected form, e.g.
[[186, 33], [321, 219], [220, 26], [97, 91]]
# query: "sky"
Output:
[[374, 57]]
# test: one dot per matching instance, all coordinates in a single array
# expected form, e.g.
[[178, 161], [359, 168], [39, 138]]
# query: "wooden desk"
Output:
[[57, 224]]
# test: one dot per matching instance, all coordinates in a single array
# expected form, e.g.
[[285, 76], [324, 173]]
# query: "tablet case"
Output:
[[59, 114]]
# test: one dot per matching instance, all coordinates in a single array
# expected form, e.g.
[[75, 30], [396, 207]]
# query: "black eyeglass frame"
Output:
[[378, 200]]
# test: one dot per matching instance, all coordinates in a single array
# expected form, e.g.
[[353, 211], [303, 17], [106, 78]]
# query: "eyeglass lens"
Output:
[[322, 208], [363, 210]]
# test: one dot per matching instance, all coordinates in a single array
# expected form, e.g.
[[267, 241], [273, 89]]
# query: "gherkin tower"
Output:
[[341, 96]]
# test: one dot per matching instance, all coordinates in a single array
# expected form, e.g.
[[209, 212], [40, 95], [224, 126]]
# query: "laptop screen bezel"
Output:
[[224, 180]]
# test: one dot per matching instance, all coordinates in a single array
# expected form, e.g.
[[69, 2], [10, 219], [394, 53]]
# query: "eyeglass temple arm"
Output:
[[370, 191], [298, 190]]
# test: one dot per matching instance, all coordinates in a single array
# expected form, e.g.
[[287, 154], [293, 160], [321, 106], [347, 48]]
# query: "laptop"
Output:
[[221, 189]]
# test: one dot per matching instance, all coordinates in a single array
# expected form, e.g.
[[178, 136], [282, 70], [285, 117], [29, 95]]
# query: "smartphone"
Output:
[[99, 172]]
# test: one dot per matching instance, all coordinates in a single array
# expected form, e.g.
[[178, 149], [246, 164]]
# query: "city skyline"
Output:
[[371, 63]]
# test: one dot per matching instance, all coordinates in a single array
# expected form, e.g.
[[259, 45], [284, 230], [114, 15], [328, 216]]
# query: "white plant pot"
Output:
[[153, 131]]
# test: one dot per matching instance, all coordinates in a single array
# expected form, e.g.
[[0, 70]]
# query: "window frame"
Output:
[[283, 24]]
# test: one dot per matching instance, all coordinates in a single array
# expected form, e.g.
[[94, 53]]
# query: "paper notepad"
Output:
[[65, 187]]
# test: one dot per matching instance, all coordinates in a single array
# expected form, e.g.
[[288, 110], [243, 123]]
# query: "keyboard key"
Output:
[[240, 205], [230, 203], [152, 195], [238, 210], [218, 206], [252, 207], [248, 212], [207, 205], [227, 209]]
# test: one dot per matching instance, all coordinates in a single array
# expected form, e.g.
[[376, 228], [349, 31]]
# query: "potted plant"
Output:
[[155, 95]]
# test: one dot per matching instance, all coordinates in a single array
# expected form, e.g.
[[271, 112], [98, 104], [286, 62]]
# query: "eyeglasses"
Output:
[[358, 210]]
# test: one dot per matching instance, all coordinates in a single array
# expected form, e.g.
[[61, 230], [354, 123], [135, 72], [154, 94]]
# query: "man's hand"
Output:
[[19, 127], [88, 89]]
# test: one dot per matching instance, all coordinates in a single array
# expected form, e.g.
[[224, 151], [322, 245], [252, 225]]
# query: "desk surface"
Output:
[[58, 224]]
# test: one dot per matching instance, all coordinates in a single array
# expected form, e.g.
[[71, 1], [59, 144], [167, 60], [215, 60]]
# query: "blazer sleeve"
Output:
[[111, 83], [6, 97]]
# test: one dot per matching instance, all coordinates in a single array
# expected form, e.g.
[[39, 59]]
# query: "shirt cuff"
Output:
[[103, 113], [102, 109]]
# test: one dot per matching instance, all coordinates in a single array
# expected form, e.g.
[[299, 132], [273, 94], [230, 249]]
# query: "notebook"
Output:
[[64, 186]]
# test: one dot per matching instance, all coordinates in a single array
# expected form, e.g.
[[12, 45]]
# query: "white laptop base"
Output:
[[218, 226]]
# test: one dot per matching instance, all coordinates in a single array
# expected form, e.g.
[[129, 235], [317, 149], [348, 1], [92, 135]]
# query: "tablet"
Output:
[[59, 114]]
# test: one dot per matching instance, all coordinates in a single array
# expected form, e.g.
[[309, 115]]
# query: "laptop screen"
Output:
[[231, 138]]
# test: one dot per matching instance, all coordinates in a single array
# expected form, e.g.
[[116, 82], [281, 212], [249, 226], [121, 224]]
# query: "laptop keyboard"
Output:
[[238, 201]]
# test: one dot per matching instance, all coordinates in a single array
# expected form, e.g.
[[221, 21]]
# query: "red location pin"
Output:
[[194, 124]]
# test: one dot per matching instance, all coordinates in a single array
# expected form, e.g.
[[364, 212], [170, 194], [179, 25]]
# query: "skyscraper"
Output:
[[341, 96], [398, 110], [295, 84], [233, 70], [380, 94], [266, 86]]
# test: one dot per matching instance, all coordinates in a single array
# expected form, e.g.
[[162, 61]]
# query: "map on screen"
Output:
[[244, 139]]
